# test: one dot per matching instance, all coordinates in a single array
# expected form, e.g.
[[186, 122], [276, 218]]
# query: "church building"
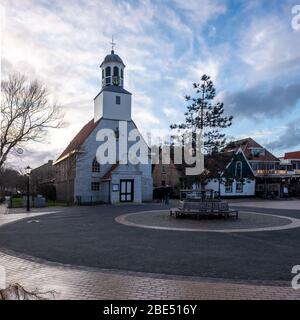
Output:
[[79, 177]]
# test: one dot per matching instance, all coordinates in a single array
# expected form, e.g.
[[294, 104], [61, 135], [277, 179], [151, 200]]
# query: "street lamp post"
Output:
[[28, 170]]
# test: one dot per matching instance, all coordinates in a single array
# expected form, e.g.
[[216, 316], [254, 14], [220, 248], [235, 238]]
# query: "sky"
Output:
[[249, 48]]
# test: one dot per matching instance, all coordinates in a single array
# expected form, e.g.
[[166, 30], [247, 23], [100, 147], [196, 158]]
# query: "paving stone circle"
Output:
[[247, 222]]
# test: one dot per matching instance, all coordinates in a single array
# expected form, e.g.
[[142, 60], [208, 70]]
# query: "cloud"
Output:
[[290, 138], [269, 46], [253, 56], [201, 11], [258, 103]]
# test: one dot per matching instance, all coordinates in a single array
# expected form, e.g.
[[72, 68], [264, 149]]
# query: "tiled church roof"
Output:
[[78, 139]]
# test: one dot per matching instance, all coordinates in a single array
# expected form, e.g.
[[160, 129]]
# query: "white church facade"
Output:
[[80, 178]]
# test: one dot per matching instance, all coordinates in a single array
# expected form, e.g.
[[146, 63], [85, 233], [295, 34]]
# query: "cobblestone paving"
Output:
[[71, 283], [87, 283]]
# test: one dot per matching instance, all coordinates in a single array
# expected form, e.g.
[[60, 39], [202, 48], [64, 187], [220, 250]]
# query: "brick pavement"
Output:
[[87, 283]]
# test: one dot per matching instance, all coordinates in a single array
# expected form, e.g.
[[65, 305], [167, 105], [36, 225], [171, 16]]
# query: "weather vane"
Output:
[[113, 44]]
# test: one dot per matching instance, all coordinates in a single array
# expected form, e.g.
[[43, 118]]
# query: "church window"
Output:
[[95, 166], [95, 186], [118, 100], [107, 75], [116, 71], [107, 72]]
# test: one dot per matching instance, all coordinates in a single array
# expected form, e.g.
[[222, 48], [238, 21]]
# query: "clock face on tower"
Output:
[[116, 80]]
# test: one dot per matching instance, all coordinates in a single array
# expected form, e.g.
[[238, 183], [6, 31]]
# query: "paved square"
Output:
[[82, 253]]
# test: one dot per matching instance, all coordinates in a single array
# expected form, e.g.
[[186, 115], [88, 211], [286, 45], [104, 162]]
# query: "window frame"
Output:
[[241, 190], [93, 184], [228, 184], [115, 71], [95, 166]]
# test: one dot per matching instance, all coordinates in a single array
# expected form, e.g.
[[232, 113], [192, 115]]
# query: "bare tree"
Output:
[[26, 114]]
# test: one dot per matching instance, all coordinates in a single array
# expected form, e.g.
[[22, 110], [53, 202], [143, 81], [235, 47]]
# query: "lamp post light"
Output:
[[28, 170]]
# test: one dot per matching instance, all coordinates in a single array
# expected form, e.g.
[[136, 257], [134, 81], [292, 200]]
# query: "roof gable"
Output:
[[230, 170]]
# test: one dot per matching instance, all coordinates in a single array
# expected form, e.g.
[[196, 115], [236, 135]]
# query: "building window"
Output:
[[163, 169], [239, 187], [239, 170], [118, 100], [95, 186], [107, 75], [163, 183], [256, 152], [107, 72], [116, 71], [228, 187], [95, 166]]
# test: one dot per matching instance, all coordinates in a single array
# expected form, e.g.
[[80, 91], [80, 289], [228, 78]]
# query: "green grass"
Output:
[[56, 203], [18, 203]]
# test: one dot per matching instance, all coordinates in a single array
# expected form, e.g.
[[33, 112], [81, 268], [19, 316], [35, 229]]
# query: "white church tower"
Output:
[[92, 182], [113, 101]]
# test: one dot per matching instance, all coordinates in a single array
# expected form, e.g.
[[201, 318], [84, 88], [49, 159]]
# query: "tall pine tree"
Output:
[[203, 114]]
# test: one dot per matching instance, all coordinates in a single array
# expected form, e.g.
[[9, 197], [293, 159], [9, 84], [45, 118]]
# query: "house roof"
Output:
[[78, 139], [247, 145], [108, 174], [292, 155]]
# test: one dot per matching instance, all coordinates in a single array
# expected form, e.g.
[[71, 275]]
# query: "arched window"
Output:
[[107, 72], [116, 71], [95, 166], [239, 170], [107, 76]]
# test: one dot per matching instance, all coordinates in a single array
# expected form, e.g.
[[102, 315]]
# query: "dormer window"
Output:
[[256, 152]]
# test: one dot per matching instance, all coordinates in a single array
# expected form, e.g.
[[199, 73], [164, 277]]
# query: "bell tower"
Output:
[[112, 69], [113, 101]]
